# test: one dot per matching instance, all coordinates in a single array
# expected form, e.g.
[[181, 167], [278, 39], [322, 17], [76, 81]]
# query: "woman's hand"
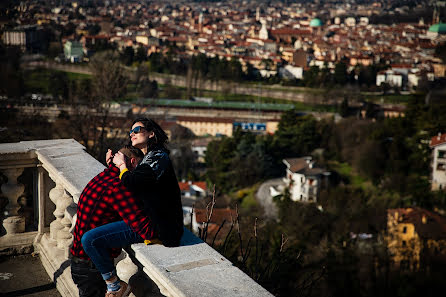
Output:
[[108, 157], [119, 160]]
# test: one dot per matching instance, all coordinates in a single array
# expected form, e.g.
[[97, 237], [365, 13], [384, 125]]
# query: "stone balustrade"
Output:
[[61, 169]]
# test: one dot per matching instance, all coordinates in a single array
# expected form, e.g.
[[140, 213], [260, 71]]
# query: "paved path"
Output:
[[25, 276], [264, 198]]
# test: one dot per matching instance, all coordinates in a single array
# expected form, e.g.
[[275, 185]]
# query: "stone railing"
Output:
[[59, 170]]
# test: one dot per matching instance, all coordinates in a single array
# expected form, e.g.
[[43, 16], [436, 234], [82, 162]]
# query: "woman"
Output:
[[153, 181]]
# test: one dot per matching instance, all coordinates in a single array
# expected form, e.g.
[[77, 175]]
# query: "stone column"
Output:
[[64, 236], [13, 190], [126, 268], [56, 194]]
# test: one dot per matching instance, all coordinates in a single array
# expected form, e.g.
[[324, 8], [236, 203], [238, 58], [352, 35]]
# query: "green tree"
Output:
[[141, 54], [128, 56], [297, 135], [340, 73], [311, 77], [59, 84], [343, 111]]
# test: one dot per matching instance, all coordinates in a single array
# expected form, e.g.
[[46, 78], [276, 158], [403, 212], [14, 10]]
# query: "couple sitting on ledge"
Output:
[[136, 199]]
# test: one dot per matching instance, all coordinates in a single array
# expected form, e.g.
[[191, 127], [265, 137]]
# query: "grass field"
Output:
[[346, 171], [41, 80]]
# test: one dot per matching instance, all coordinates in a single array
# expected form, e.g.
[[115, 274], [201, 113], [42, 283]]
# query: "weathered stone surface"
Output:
[[195, 269]]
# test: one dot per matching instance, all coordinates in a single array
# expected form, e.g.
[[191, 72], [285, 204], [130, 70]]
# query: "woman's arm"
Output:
[[147, 173]]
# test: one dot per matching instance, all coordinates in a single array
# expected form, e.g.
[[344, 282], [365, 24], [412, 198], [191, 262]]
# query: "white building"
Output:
[[291, 72], [390, 77], [350, 22], [263, 34], [304, 179], [438, 145]]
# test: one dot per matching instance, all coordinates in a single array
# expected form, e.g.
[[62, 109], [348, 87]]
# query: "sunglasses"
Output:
[[136, 130]]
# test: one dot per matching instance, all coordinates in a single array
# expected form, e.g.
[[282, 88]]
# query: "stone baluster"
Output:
[[56, 194], [126, 268], [13, 223], [64, 236]]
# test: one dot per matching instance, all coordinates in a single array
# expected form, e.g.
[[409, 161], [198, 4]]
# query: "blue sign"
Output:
[[256, 127]]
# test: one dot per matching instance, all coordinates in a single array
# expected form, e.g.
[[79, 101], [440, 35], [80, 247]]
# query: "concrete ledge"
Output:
[[194, 269], [21, 243]]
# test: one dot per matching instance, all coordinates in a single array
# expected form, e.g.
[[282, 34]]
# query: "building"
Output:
[[203, 126], [304, 179], [263, 33], [199, 148], [221, 217], [390, 77], [415, 235], [436, 30], [193, 190], [438, 146], [29, 38], [291, 72], [73, 51]]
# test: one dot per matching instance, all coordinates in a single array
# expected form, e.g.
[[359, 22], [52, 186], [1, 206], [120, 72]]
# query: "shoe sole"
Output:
[[127, 291]]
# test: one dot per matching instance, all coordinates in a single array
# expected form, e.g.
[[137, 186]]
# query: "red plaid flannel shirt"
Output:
[[105, 200]]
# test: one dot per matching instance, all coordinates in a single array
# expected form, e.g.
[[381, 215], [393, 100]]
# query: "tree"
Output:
[[340, 73], [297, 135], [343, 111], [440, 51], [11, 78], [141, 54], [59, 84], [108, 84], [128, 56], [149, 89], [311, 77]]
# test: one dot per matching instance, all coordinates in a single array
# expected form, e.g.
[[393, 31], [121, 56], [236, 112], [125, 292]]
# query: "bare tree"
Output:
[[109, 84], [91, 101]]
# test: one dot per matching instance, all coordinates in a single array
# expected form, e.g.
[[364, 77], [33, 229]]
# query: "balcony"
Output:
[[55, 173]]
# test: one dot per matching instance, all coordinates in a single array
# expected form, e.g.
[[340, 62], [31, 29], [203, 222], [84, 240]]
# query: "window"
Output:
[[404, 243], [404, 229], [441, 154], [441, 166]]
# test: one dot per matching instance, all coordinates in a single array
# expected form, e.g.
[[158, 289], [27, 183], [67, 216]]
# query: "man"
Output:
[[105, 200]]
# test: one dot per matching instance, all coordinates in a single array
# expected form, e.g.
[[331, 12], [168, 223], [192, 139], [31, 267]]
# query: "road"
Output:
[[264, 198]]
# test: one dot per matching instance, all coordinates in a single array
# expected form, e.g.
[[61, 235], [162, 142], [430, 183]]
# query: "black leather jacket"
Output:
[[154, 182]]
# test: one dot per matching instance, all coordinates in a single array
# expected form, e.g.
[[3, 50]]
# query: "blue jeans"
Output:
[[97, 241]]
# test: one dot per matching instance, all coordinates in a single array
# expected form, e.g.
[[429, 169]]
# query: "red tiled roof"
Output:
[[439, 139], [288, 31], [185, 186], [427, 224], [218, 215], [400, 66], [204, 119]]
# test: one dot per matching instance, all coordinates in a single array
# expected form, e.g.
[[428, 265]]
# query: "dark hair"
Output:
[[132, 152], [160, 138]]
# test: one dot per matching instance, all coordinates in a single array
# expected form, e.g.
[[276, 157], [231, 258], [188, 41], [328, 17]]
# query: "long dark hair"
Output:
[[160, 138]]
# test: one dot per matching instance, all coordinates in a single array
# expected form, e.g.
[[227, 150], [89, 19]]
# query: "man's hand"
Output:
[[119, 160]]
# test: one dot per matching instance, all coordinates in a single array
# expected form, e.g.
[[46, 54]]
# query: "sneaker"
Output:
[[122, 292]]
